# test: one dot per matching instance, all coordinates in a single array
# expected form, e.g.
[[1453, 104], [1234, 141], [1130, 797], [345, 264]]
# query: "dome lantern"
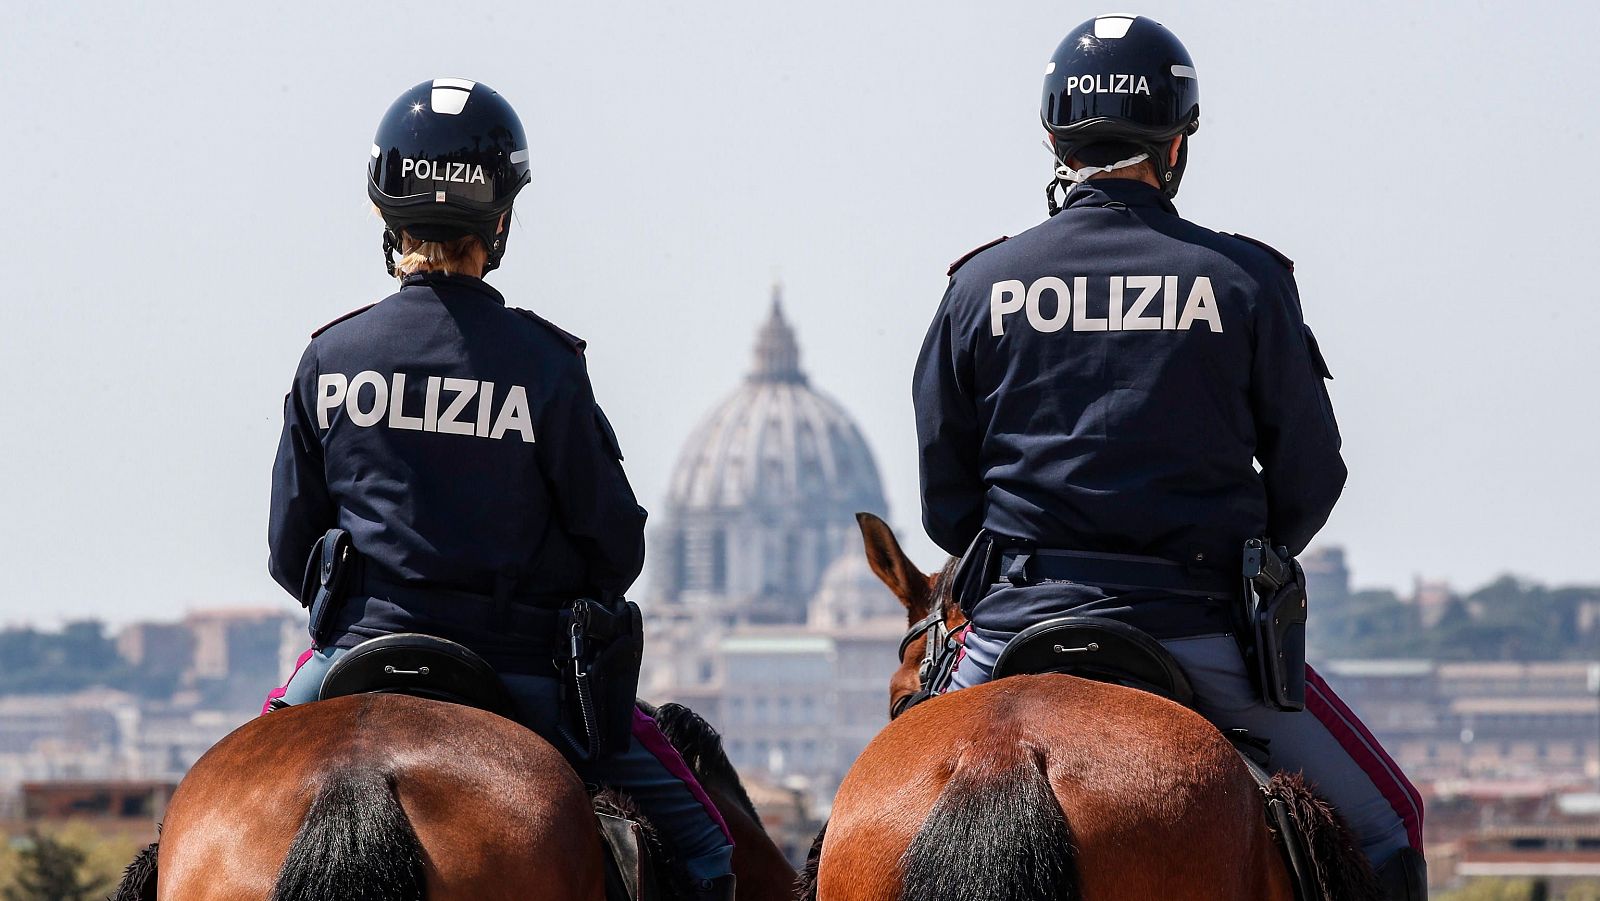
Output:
[[777, 357]]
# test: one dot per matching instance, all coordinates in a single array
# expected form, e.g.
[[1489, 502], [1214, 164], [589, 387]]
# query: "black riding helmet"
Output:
[[448, 160], [1117, 86]]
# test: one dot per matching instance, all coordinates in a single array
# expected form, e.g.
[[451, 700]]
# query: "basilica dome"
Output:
[[776, 442], [765, 490]]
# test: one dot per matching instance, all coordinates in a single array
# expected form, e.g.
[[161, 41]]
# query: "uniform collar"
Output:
[[1126, 191], [439, 282]]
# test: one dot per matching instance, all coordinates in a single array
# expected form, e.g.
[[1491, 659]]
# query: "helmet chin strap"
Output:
[[1079, 176], [391, 243], [1065, 173]]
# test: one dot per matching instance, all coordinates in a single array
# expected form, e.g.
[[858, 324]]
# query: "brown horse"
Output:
[[1038, 787], [394, 798]]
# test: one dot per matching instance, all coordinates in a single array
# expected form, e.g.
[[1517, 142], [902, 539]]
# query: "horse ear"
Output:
[[890, 564]]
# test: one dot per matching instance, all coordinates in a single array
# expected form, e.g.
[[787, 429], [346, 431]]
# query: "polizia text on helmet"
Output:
[[437, 170], [1108, 84]]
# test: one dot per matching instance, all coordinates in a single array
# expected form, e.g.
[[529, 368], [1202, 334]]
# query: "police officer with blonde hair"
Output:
[[455, 443], [1092, 401]]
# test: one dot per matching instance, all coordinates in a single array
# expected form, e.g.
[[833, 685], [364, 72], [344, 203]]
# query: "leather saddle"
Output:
[[426, 666], [423, 666], [1093, 647]]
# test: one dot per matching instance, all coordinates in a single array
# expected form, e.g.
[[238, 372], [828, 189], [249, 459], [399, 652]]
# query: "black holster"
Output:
[[599, 666], [322, 589], [1274, 629], [977, 570]]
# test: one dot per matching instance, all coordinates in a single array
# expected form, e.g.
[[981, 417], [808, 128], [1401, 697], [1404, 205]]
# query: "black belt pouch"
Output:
[[975, 574], [322, 588]]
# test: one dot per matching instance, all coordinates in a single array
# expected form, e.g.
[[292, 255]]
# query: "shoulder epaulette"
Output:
[[974, 252], [577, 344], [1265, 246], [348, 315]]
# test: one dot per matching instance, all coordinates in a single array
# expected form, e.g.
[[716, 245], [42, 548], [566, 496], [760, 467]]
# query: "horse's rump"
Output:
[[388, 797], [986, 780], [383, 797]]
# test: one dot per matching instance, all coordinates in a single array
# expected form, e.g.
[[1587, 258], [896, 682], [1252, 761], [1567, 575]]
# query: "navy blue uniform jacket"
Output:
[[459, 442], [1107, 380]]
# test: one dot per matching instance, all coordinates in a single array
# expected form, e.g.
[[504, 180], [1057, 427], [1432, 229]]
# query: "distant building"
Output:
[[172, 737], [227, 641], [805, 704], [222, 663], [1479, 721], [84, 735], [164, 648], [113, 808], [142, 800], [1431, 598], [763, 614], [1521, 829], [1327, 576], [239, 654], [764, 494], [1328, 596], [1557, 854], [786, 816]]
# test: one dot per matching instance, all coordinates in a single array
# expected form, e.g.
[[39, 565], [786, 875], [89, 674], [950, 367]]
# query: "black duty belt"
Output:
[[515, 633], [1124, 572], [372, 586]]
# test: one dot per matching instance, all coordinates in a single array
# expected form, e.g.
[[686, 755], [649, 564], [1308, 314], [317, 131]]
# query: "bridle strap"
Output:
[[920, 628], [937, 650]]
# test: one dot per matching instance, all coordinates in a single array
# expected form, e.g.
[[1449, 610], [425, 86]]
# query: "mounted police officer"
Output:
[[457, 443], [1092, 400]]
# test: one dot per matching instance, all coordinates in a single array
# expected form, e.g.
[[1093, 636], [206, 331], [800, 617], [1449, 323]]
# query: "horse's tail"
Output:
[[996, 833], [355, 843]]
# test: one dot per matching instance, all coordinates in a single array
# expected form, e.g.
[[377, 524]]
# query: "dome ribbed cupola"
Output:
[[765, 492]]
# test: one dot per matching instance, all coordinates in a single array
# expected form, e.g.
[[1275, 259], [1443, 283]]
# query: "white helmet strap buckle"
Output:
[[1079, 176]]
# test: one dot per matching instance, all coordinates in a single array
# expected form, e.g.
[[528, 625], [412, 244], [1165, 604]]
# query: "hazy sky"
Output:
[[184, 203]]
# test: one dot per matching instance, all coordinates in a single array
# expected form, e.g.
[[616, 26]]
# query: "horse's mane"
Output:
[[139, 879], [943, 591], [805, 885], [672, 880], [1341, 869], [701, 748]]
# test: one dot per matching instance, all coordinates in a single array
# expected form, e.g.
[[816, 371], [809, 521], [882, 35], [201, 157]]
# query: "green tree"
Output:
[[77, 657], [49, 870]]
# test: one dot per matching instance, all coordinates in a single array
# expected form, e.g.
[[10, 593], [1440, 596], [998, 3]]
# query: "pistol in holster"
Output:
[[322, 589], [599, 666], [1274, 613]]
